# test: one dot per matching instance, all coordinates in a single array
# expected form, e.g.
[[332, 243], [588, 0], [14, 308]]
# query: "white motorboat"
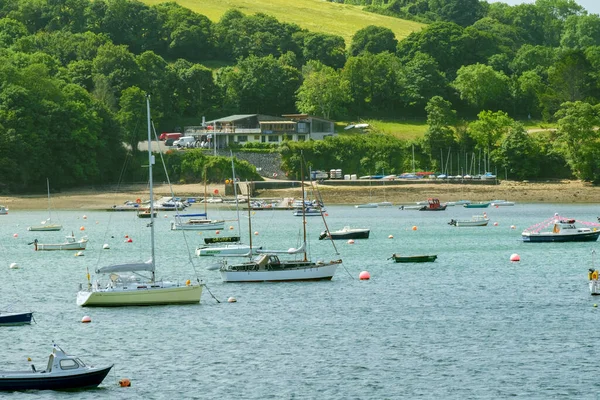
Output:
[[46, 225], [70, 243], [196, 222], [367, 205], [128, 284], [476, 220], [502, 203], [229, 249], [63, 372]]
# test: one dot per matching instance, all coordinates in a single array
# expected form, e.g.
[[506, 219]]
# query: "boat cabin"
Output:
[[60, 361]]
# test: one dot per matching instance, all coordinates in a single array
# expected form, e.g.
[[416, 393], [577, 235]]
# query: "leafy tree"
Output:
[[422, 80], [489, 130], [581, 31], [578, 139], [118, 65], [481, 86], [461, 12], [518, 154], [373, 39], [131, 116], [533, 58], [10, 31], [328, 49], [323, 92], [259, 85], [439, 135]]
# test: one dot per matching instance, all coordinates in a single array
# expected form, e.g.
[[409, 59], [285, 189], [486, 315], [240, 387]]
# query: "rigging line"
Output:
[[213, 296], [319, 202]]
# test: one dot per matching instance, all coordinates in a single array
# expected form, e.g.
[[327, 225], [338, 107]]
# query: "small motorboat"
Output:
[[433, 205], [70, 244], [346, 233], [476, 220], [63, 372], [477, 205], [11, 318], [413, 259], [563, 230]]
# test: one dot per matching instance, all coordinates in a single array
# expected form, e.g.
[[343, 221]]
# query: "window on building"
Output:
[[303, 127], [274, 139], [321, 126], [242, 138], [301, 138]]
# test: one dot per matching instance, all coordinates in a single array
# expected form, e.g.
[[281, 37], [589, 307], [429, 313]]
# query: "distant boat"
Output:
[[346, 233], [3, 210], [476, 205], [413, 259], [145, 213], [594, 283], [501, 203], [46, 225], [433, 205], [476, 220], [196, 222], [563, 230], [367, 205], [69, 244], [309, 212], [62, 372]]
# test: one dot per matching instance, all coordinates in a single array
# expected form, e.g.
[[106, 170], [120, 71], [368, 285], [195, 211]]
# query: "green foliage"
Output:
[[373, 39], [482, 87], [323, 93], [359, 154]]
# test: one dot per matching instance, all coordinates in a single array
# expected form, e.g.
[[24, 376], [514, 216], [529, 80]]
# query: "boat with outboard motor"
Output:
[[476, 220], [70, 244], [413, 259], [13, 318], [563, 230], [63, 372]]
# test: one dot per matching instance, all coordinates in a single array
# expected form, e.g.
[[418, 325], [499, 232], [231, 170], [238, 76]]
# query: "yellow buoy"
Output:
[[188, 282]]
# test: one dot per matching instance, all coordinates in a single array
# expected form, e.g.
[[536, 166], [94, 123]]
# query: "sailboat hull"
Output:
[[314, 273], [140, 295], [45, 228]]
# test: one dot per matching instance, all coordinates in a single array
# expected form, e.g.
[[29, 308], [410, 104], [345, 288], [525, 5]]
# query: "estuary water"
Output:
[[470, 325]]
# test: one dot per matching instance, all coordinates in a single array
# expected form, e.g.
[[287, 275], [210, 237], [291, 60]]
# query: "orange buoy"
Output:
[[16, 235], [126, 236], [86, 319], [124, 382], [129, 240], [390, 236], [414, 228], [326, 214], [230, 227], [188, 282], [216, 191], [515, 257], [82, 228], [364, 276], [513, 227], [217, 232], [256, 233], [495, 224]]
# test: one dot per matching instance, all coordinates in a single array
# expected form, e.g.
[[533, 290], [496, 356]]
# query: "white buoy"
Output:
[[79, 254], [351, 241], [86, 319], [390, 236], [15, 235], [14, 266], [232, 300], [106, 246], [515, 257]]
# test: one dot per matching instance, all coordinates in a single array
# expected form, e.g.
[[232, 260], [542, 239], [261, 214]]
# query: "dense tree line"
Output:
[[76, 71]]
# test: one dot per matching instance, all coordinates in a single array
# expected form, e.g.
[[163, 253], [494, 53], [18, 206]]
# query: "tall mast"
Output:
[[303, 205], [237, 203], [48, 186], [150, 162], [249, 216]]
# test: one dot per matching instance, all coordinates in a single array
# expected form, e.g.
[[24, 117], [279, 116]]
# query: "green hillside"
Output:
[[314, 15]]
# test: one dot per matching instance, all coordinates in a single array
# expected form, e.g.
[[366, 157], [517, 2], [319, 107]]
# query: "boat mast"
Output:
[[303, 205], [237, 203], [48, 186], [150, 162], [249, 217]]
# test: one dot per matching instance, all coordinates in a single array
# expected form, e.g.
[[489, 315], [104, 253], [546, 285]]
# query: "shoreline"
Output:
[[564, 192]]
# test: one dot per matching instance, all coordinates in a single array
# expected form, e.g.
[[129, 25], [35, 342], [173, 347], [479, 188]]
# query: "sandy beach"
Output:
[[529, 192]]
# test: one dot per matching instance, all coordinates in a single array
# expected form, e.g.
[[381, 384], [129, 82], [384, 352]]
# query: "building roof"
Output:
[[232, 118], [304, 116]]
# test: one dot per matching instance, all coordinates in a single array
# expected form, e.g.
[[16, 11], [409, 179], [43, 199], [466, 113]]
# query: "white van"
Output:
[[185, 141]]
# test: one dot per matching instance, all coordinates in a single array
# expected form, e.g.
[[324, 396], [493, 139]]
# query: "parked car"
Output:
[[185, 141], [173, 135], [169, 142]]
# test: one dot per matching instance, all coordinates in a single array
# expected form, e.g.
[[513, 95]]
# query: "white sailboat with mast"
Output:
[[128, 283], [46, 225], [268, 267]]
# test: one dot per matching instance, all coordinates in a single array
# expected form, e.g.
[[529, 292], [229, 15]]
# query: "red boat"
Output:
[[433, 205]]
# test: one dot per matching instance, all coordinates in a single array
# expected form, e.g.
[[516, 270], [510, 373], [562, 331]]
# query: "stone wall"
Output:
[[267, 165]]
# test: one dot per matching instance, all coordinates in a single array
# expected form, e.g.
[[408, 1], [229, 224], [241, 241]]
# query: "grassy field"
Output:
[[314, 15]]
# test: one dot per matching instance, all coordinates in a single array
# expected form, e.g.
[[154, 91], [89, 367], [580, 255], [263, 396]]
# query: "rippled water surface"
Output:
[[470, 325]]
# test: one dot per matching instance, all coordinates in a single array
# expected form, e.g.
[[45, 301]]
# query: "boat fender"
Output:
[[595, 275]]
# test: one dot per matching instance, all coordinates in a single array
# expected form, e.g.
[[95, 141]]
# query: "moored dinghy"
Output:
[[12, 318], [413, 259], [63, 372], [69, 244]]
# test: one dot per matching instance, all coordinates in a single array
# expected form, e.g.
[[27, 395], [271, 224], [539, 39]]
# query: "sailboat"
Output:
[[46, 225], [128, 283], [228, 246], [267, 266], [197, 221]]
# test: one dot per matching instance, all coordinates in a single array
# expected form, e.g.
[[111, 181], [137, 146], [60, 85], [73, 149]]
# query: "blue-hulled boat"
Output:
[[9, 318], [63, 372], [563, 230]]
